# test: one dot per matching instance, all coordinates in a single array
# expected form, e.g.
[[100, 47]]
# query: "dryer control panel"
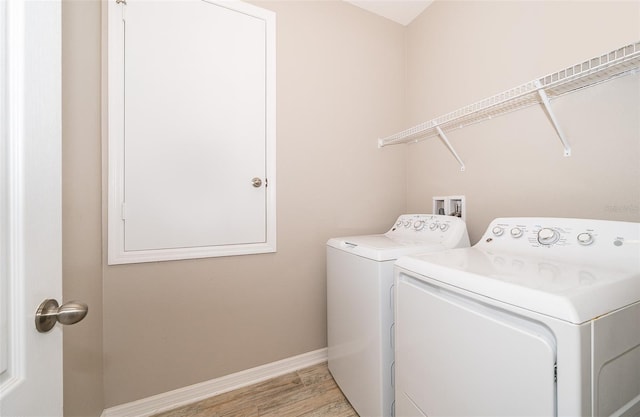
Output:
[[566, 238]]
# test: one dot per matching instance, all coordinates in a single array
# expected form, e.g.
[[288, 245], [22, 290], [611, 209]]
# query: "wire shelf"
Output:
[[591, 72]]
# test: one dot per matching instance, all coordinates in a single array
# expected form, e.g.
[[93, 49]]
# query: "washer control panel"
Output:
[[412, 224], [566, 237], [450, 231]]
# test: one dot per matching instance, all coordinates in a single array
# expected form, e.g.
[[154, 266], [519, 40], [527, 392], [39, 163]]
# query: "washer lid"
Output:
[[382, 247], [571, 292]]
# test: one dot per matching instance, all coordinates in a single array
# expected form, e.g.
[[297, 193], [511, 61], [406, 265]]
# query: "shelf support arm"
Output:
[[547, 106], [446, 142]]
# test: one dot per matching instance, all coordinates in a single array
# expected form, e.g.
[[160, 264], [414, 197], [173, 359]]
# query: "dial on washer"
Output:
[[548, 236]]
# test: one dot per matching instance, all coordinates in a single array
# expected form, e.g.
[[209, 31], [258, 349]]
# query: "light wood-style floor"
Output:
[[309, 392]]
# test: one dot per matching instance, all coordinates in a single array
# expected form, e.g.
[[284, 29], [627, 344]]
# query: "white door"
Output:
[[30, 211], [191, 129], [195, 84]]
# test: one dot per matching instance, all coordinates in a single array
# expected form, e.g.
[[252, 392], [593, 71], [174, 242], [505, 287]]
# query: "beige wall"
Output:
[[340, 72], [82, 205], [462, 52], [345, 77]]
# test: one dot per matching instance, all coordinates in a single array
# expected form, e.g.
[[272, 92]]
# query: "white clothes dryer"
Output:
[[359, 303], [540, 318]]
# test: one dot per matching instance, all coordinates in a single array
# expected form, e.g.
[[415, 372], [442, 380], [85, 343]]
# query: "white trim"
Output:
[[13, 190], [193, 393], [4, 198]]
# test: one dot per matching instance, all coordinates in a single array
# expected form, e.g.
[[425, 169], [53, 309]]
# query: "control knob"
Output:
[[444, 227], [497, 231], [516, 232], [548, 236], [433, 226], [407, 223], [419, 225], [585, 238]]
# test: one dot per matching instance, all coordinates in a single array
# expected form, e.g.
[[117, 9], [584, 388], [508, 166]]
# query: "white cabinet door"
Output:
[[30, 206], [195, 163]]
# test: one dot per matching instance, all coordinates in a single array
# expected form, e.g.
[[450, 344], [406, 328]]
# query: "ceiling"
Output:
[[400, 11]]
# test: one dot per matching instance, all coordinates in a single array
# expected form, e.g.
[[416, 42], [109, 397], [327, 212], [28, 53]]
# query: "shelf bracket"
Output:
[[446, 142], [547, 106]]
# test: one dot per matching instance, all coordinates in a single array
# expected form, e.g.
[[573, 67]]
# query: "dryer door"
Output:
[[456, 356]]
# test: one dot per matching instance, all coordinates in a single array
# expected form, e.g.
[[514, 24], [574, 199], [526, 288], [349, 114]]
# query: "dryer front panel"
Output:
[[616, 362], [456, 356]]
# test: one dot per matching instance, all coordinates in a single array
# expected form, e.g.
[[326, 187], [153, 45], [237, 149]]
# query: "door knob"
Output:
[[256, 182], [49, 313]]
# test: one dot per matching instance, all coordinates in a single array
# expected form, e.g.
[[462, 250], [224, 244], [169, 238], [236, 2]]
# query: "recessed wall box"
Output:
[[453, 205]]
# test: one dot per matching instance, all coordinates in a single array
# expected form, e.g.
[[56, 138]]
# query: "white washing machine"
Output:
[[539, 318], [359, 303]]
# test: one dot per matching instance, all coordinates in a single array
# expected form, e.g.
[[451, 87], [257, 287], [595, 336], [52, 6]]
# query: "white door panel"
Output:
[[30, 210], [191, 123], [194, 89], [458, 357]]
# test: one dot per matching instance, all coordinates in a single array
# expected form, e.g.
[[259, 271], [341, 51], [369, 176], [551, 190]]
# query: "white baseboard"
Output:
[[193, 393]]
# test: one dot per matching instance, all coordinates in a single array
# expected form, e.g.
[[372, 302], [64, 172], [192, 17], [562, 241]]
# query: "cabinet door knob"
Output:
[[256, 182]]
